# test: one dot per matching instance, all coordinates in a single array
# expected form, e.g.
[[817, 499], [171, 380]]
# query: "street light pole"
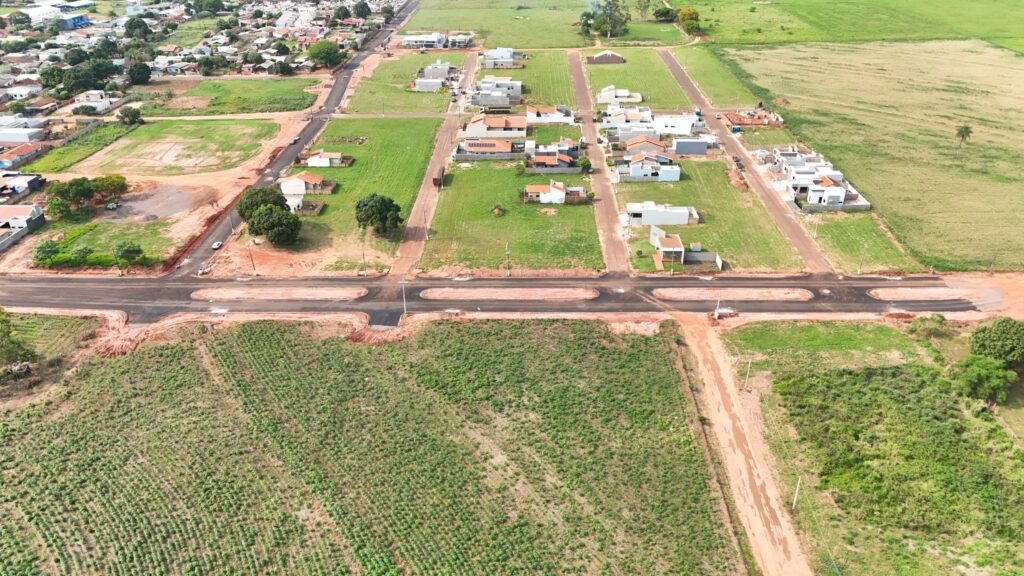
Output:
[[508, 260], [405, 309]]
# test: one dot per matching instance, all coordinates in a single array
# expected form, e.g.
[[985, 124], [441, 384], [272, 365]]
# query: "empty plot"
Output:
[[387, 90], [513, 23], [212, 97], [855, 243], [644, 72], [714, 79], [545, 78]]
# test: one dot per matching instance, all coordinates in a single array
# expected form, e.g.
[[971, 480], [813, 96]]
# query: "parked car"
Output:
[[113, 206], [217, 245]]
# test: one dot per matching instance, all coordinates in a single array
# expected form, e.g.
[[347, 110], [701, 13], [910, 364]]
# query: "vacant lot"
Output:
[[189, 33], [469, 450], [212, 97], [643, 72], [733, 222], [767, 138], [954, 207], [715, 80], [387, 90], [855, 242], [514, 23], [103, 235], [468, 233], [51, 336], [182, 147], [545, 78], [545, 134], [73, 152], [647, 33]]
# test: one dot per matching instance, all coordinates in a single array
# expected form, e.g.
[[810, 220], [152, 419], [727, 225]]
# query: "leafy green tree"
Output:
[[615, 18], [1002, 339], [381, 213], [282, 69], [212, 6], [81, 253], [342, 12], [130, 116], [139, 74], [105, 48], [136, 27], [362, 9], [643, 7], [388, 12], [110, 186], [19, 19], [57, 208], [255, 198], [325, 53], [11, 349], [75, 56], [44, 251], [691, 27], [963, 134], [278, 224], [17, 107], [688, 13], [85, 110], [282, 49], [127, 251], [77, 191], [982, 377], [584, 163]]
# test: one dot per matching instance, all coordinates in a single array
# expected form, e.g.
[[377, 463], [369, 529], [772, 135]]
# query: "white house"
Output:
[[438, 70], [549, 115], [22, 91], [812, 179], [425, 41], [98, 99], [500, 58], [669, 246], [612, 95], [482, 126], [321, 159], [648, 167], [648, 213], [428, 85], [616, 116], [19, 216], [554, 193], [296, 187], [678, 124], [497, 91]]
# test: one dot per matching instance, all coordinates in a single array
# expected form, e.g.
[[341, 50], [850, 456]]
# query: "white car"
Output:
[[217, 245]]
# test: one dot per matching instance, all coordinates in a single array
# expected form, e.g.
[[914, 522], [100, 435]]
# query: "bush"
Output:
[[982, 378], [255, 198], [1003, 339]]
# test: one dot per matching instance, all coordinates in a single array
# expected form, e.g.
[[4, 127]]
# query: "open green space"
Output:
[[474, 448], [189, 33], [388, 89], [79, 149], [103, 235], [545, 134], [214, 97], [647, 33], [545, 78], [466, 232], [767, 138], [715, 80], [390, 161], [954, 207], [644, 72], [512, 23], [733, 223], [855, 242], [898, 475]]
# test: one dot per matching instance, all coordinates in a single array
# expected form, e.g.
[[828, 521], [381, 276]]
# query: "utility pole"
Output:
[[364, 255], [747, 377], [248, 246], [508, 260], [796, 493], [405, 309]]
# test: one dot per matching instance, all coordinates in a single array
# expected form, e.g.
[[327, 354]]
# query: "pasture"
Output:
[[643, 72], [954, 207], [515, 23], [733, 222], [466, 232], [715, 80], [182, 147], [62, 158], [269, 448], [545, 78], [855, 242], [214, 97], [387, 90]]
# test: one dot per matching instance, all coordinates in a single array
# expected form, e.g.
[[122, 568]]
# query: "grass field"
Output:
[[213, 97], [73, 152], [190, 33], [643, 72], [545, 134], [855, 242], [51, 336], [514, 23], [103, 235], [733, 222], [466, 233], [545, 78], [714, 79], [388, 88], [475, 448], [924, 489], [182, 147], [391, 161], [648, 34], [767, 138], [953, 208]]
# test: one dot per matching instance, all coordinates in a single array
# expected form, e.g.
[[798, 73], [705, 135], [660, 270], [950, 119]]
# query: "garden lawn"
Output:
[[466, 233], [515, 23], [213, 97], [648, 33], [68, 155], [644, 72], [388, 89], [545, 78], [855, 242], [714, 79], [734, 223]]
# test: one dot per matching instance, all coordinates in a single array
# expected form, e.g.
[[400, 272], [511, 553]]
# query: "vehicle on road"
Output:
[[295, 140], [217, 245]]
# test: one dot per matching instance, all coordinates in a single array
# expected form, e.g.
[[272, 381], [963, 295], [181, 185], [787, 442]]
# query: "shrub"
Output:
[[982, 378], [1003, 339]]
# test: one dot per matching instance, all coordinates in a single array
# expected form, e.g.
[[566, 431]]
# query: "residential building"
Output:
[[500, 58], [490, 149], [17, 182], [460, 41], [428, 85], [648, 213], [22, 91], [321, 159], [439, 70], [554, 193], [616, 116], [497, 91], [296, 187], [669, 247], [72, 21], [645, 144], [425, 41], [812, 180], [21, 135], [98, 99], [21, 216], [691, 145], [19, 155], [613, 95], [648, 167], [549, 115], [606, 57], [482, 126]]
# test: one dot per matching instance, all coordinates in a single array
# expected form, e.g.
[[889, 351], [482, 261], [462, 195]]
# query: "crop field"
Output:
[[954, 207], [467, 233], [73, 152], [715, 80], [855, 242], [387, 89], [265, 449], [391, 160], [643, 72], [213, 97], [182, 147], [734, 223], [926, 487], [514, 23], [647, 33], [51, 336], [545, 78]]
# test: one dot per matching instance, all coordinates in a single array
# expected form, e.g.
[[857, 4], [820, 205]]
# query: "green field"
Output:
[[954, 207], [391, 161], [465, 232], [643, 72], [545, 78], [545, 134], [73, 152], [512, 23], [103, 235], [648, 34], [714, 79], [733, 222], [51, 336], [897, 476], [182, 147], [767, 138], [213, 97], [855, 242], [387, 89], [474, 448], [190, 33]]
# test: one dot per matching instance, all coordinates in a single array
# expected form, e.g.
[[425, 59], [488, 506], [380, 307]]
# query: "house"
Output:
[[645, 144], [72, 21], [19, 155], [690, 145], [21, 135], [812, 180], [562, 154], [497, 91], [549, 115], [606, 57], [501, 58], [22, 91], [613, 95], [425, 41], [438, 71], [428, 85], [98, 99], [678, 124], [321, 159], [40, 106], [648, 168], [21, 216], [296, 188], [482, 126], [17, 182], [489, 149], [460, 41], [669, 247], [616, 116], [40, 15], [648, 213], [168, 49], [554, 193]]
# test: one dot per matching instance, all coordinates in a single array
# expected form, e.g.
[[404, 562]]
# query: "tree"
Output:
[[1002, 339], [282, 49], [342, 12], [963, 134], [255, 198], [57, 207], [212, 6], [139, 74], [691, 27], [982, 377], [282, 68], [136, 27], [11, 350], [75, 56], [81, 253], [388, 12], [19, 19], [44, 251], [643, 7], [110, 186], [85, 110], [17, 107], [127, 251], [105, 48], [77, 191], [130, 116], [325, 53], [584, 163], [614, 18], [278, 224], [687, 14], [362, 9], [251, 57], [379, 212]]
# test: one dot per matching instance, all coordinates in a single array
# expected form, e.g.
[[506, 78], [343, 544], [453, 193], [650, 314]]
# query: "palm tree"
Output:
[[963, 133]]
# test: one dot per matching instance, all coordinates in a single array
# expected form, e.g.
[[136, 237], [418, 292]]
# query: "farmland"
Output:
[[714, 79], [953, 206], [73, 152], [515, 23], [213, 97], [262, 448], [545, 78], [855, 242], [51, 336], [388, 88], [182, 147], [733, 222], [467, 233], [643, 72]]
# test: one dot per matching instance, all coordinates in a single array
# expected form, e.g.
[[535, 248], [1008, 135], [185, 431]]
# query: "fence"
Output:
[[11, 239]]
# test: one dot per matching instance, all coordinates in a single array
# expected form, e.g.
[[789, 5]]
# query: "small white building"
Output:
[[296, 187], [554, 193], [21, 135], [612, 95], [549, 115], [321, 159], [425, 41], [428, 85], [648, 213], [617, 116], [98, 99], [647, 167], [438, 70], [22, 91], [500, 58], [668, 246]]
